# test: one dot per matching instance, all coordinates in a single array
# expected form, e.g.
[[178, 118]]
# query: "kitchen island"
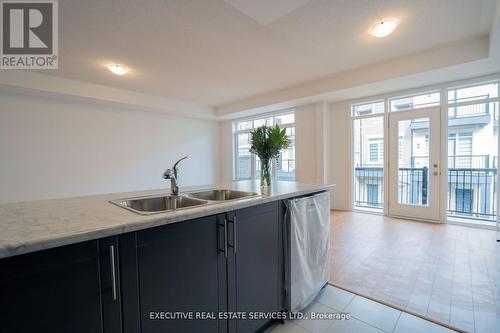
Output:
[[86, 265]]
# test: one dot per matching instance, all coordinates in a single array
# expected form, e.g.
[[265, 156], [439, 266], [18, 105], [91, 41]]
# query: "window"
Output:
[[460, 152], [464, 146], [368, 155], [372, 190], [376, 147], [463, 200], [415, 101], [285, 164], [367, 108], [473, 101], [247, 165], [452, 139], [473, 125], [373, 152], [473, 151], [473, 93], [243, 158], [427, 145]]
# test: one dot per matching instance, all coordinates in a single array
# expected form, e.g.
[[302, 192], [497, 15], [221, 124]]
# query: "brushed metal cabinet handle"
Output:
[[234, 234], [225, 238], [113, 270]]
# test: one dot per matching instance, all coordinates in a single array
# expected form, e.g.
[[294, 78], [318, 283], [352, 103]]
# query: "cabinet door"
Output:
[[110, 284], [179, 270], [255, 264], [56, 290]]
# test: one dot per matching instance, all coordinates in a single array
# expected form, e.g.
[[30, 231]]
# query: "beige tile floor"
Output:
[[444, 272], [366, 317]]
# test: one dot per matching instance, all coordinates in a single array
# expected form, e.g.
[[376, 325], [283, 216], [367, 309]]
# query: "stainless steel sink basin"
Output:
[[160, 204], [221, 194]]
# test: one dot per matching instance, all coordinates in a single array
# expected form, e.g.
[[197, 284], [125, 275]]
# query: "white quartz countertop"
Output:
[[38, 225]]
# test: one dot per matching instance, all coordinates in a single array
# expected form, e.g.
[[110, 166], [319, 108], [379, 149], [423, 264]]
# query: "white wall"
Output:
[[305, 151], [226, 161], [340, 154], [51, 148]]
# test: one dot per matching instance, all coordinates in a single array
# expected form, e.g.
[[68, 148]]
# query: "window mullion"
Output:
[[253, 157]]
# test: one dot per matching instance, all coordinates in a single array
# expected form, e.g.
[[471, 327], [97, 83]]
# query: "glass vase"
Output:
[[265, 173]]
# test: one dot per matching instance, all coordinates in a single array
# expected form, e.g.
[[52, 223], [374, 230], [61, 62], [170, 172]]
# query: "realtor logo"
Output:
[[29, 35]]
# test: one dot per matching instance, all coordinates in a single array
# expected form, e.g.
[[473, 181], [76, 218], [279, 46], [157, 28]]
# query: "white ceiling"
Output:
[[212, 53]]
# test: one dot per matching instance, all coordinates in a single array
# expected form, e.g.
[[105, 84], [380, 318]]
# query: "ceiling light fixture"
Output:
[[118, 69], [384, 28]]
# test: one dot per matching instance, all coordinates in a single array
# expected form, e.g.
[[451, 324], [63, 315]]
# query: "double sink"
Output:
[[166, 203]]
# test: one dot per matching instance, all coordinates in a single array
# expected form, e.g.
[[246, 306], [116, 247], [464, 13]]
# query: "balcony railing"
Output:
[[368, 187], [471, 191], [471, 110], [413, 186]]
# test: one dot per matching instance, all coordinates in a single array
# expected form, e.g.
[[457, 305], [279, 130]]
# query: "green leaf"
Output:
[[268, 142]]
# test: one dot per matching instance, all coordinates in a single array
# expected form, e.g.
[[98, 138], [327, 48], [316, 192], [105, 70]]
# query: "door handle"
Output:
[[113, 271]]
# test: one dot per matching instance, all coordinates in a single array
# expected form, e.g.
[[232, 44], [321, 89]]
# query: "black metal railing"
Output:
[[472, 193], [368, 187], [413, 186]]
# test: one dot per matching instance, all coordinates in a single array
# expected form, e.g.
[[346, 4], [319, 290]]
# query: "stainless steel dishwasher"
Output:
[[307, 249]]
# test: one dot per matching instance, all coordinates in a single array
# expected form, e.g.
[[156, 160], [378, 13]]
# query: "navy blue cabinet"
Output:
[[179, 272], [230, 262], [255, 270], [145, 281], [56, 290], [72, 288]]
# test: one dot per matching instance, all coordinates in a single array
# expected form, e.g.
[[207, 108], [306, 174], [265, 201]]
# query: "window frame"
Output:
[[417, 94], [379, 142], [444, 106], [382, 116], [253, 157]]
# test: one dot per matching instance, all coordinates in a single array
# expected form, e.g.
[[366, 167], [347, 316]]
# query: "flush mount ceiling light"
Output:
[[384, 28], [118, 69]]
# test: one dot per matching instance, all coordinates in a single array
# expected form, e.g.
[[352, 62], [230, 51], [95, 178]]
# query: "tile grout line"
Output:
[[401, 309], [397, 321], [367, 323], [345, 308], [453, 278], [334, 320], [471, 289]]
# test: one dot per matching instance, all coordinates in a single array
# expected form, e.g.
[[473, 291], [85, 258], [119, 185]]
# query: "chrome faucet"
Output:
[[172, 175]]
